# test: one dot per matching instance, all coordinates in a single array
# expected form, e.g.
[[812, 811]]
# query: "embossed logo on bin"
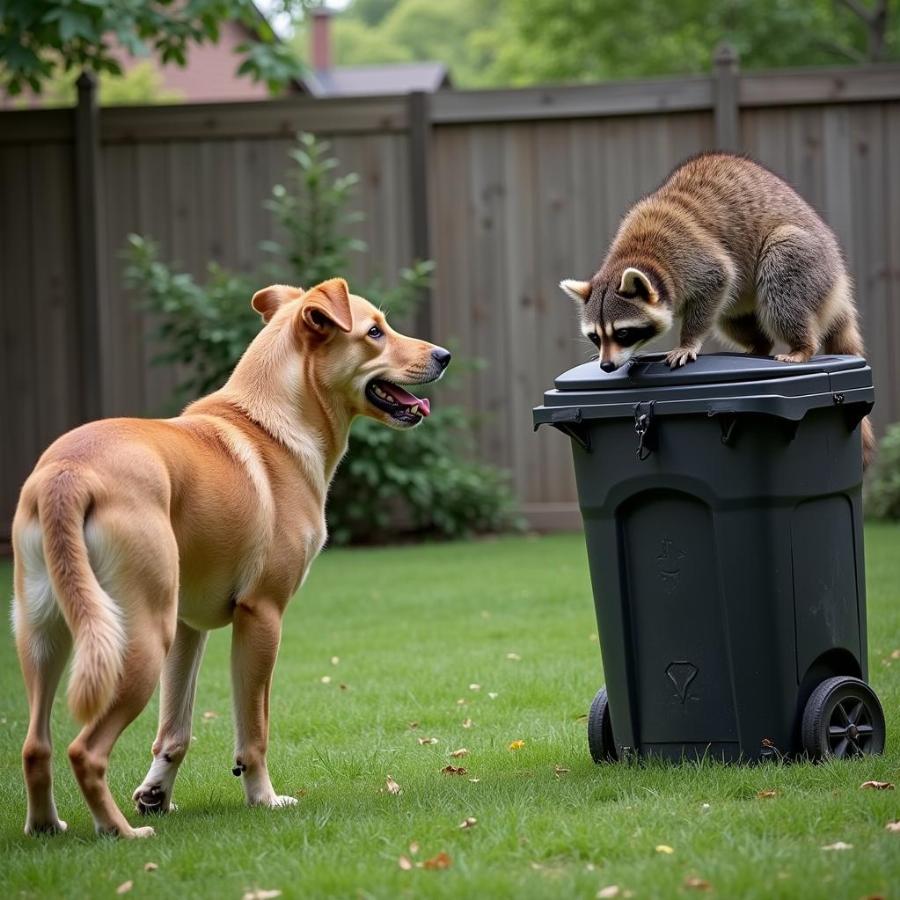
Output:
[[682, 673], [668, 564]]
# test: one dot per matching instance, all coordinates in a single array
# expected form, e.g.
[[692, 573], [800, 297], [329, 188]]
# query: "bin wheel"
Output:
[[842, 718], [600, 734]]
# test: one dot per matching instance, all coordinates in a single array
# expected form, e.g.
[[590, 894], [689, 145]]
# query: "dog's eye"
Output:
[[375, 332]]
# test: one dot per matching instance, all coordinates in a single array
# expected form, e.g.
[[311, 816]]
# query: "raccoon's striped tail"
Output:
[[90, 613], [846, 339]]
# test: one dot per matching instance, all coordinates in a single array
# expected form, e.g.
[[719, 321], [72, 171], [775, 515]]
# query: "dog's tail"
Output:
[[90, 613], [846, 339]]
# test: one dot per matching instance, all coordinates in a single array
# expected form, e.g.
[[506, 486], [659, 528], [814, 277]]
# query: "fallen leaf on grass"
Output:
[[611, 890], [150, 867], [412, 726], [405, 863], [664, 848], [474, 687], [430, 740], [344, 687], [462, 702], [335, 660], [124, 887], [474, 780], [560, 770], [391, 786], [325, 679], [261, 894], [468, 822], [453, 770], [493, 695], [878, 785], [210, 714], [414, 848], [516, 745], [838, 845], [697, 884], [893, 827], [458, 754], [513, 656], [895, 654], [467, 723], [441, 861], [767, 794]]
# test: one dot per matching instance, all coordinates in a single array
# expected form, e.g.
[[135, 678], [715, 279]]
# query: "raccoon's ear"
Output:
[[579, 291], [636, 284]]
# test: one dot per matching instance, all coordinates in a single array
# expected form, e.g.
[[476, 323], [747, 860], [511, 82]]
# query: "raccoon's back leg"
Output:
[[745, 331], [795, 277]]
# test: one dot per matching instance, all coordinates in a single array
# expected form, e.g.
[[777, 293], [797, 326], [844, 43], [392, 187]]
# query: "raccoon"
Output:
[[722, 243]]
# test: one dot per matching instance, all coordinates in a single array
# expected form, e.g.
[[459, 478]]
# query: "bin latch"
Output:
[[645, 429], [571, 423]]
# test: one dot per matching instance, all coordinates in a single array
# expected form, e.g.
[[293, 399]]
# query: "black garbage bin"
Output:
[[722, 513]]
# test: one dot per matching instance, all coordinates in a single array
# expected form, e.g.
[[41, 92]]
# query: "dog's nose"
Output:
[[441, 357], [608, 366]]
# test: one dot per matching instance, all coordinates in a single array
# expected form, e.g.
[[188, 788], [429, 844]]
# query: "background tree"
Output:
[[37, 37]]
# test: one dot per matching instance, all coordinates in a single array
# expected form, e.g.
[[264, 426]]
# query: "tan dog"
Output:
[[135, 537]]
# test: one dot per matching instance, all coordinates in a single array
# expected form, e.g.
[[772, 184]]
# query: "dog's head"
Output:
[[351, 353], [620, 313]]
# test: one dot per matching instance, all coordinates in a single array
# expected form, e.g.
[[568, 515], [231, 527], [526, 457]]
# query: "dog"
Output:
[[722, 242], [135, 537]]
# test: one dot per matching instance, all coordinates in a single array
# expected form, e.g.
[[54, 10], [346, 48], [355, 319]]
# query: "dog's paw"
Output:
[[152, 799], [53, 826], [681, 356], [144, 832], [275, 801]]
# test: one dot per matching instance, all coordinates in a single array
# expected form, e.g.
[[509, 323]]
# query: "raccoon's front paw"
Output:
[[681, 356]]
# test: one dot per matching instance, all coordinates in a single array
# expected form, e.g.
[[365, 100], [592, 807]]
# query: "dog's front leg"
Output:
[[176, 705], [254, 647]]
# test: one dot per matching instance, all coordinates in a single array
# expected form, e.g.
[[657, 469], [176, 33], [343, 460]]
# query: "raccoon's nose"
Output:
[[441, 357], [608, 366]]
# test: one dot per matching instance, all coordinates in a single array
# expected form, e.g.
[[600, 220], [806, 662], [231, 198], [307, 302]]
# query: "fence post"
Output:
[[725, 98], [87, 240], [419, 113]]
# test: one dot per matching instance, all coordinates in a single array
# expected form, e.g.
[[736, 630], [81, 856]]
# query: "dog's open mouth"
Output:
[[397, 401]]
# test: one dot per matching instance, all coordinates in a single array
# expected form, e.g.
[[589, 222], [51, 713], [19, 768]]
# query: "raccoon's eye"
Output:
[[594, 338], [622, 335]]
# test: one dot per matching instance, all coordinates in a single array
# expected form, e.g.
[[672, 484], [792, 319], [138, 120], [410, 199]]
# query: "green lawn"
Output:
[[414, 631]]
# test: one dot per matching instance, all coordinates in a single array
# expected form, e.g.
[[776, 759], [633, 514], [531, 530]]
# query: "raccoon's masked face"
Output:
[[619, 321]]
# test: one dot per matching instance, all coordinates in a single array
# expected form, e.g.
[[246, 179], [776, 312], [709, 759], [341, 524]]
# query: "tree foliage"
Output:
[[39, 36]]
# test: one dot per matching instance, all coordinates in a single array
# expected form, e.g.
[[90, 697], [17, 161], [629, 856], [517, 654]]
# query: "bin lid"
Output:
[[713, 383]]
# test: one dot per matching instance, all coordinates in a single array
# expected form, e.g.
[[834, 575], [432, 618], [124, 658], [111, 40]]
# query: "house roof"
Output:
[[386, 78]]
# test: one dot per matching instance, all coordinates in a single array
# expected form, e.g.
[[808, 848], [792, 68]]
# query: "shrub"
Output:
[[390, 482], [883, 486]]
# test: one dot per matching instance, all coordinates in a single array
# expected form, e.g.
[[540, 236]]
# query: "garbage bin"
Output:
[[722, 514]]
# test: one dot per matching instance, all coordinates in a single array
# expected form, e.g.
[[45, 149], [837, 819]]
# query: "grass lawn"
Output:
[[380, 639]]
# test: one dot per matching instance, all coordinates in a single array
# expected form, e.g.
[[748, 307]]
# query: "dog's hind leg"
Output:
[[254, 647], [176, 705]]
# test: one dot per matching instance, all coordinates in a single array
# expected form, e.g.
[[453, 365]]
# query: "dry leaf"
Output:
[[513, 656], [474, 780], [391, 786], [594, 637], [462, 701], [767, 794], [412, 726], [430, 740], [453, 770], [611, 890], [210, 714], [493, 695], [516, 745], [878, 785], [441, 861], [405, 863], [893, 827], [467, 723], [838, 845], [457, 754], [704, 806], [468, 822], [895, 654], [697, 884], [150, 867], [343, 686], [124, 887], [560, 770], [414, 848], [335, 660], [664, 848], [767, 742], [261, 894], [474, 687], [325, 679]]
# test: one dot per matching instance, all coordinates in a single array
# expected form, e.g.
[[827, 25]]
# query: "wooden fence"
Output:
[[507, 190]]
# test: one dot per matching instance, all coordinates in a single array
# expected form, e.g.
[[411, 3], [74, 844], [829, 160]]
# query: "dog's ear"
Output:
[[579, 291], [636, 284], [269, 300], [327, 306]]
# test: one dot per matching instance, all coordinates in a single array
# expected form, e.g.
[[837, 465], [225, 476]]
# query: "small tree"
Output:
[[37, 36], [390, 481]]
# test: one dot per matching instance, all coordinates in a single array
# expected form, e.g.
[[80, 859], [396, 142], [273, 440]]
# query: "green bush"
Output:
[[882, 494], [390, 482]]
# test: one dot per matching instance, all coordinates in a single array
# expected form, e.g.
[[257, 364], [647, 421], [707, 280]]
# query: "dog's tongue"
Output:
[[408, 399]]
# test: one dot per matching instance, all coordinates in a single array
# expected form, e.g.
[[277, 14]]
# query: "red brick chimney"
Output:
[[321, 38]]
